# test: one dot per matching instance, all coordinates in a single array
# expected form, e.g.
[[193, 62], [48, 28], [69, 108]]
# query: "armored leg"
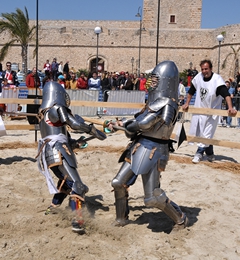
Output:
[[156, 197], [64, 186], [77, 196], [78, 187], [167, 206], [119, 183]]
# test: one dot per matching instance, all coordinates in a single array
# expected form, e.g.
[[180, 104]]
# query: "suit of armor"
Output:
[[56, 148], [148, 153]]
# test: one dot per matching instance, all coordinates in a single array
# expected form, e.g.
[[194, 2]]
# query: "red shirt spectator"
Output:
[[142, 83], [82, 82], [47, 67], [30, 79]]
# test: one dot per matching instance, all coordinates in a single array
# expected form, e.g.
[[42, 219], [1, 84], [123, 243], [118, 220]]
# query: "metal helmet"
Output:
[[164, 81], [54, 93]]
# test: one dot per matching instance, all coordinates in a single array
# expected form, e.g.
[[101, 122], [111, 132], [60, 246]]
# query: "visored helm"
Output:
[[54, 93], [164, 81]]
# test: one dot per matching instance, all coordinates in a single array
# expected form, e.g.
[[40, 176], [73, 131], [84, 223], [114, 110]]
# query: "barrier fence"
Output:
[[123, 106], [128, 102], [79, 95]]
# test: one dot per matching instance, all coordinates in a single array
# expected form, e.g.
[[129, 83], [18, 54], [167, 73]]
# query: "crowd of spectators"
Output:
[[69, 78]]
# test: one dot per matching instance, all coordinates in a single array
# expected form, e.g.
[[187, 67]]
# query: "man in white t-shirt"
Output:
[[210, 89]]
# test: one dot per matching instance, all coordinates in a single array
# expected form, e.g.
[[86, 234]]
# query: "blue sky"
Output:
[[215, 13]]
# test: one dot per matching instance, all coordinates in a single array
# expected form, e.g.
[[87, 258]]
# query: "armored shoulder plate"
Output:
[[161, 102]]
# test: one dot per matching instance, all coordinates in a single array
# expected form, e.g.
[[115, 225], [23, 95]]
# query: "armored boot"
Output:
[[170, 208], [122, 209]]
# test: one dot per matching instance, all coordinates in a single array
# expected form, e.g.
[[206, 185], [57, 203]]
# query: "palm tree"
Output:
[[234, 69], [17, 25]]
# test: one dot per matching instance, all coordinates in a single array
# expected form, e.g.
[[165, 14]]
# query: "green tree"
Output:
[[84, 71], [234, 68], [183, 76], [17, 25]]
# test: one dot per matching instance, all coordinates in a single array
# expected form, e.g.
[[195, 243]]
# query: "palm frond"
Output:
[[225, 60], [4, 50], [16, 24]]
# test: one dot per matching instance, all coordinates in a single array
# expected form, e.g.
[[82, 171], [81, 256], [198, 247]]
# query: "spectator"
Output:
[[210, 88], [113, 81], [66, 68], [231, 90], [135, 82], [148, 83], [238, 78], [82, 82], [47, 78], [189, 76], [60, 68], [54, 69], [32, 79], [105, 83], [5, 84], [66, 80], [61, 81], [73, 81], [181, 89], [237, 103], [10, 75], [47, 67], [128, 85], [194, 72], [181, 96], [142, 83], [121, 80], [94, 82]]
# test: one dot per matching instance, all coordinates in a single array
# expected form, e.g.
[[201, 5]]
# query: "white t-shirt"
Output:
[[205, 125]]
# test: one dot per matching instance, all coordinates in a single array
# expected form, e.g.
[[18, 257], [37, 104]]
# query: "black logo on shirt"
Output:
[[203, 93]]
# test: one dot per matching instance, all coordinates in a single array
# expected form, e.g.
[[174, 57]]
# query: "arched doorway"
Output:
[[100, 65]]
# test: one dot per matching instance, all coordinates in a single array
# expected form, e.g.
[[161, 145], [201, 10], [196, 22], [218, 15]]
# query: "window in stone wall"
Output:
[[172, 19]]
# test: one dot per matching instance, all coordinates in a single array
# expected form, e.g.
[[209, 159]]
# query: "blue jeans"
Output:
[[208, 150], [229, 120]]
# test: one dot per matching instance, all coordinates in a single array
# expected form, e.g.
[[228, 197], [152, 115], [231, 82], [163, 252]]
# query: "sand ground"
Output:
[[207, 192]]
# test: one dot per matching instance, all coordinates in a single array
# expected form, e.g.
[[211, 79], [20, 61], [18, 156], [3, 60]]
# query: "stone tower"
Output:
[[174, 14]]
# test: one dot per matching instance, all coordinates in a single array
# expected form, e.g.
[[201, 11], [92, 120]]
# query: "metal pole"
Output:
[[139, 55], [36, 46], [36, 76], [97, 53], [28, 62], [158, 20], [219, 56]]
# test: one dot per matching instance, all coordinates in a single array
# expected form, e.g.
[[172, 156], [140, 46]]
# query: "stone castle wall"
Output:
[[119, 42], [187, 13]]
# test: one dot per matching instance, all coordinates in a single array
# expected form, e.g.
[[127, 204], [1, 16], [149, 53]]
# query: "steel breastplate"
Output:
[[47, 128]]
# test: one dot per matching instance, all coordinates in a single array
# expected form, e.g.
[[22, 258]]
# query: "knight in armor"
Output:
[[148, 153], [55, 150]]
